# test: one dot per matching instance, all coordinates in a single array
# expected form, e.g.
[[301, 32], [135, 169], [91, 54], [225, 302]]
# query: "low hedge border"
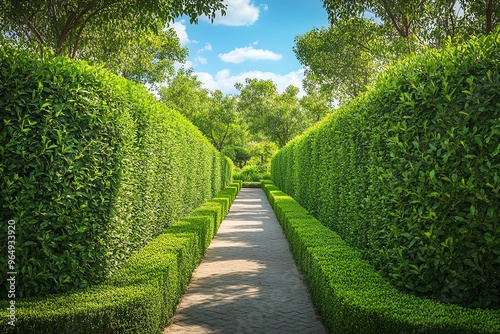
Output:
[[251, 184], [351, 296], [141, 296]]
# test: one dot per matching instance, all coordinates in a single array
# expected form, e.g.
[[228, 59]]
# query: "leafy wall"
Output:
[[409, 173], [92, 168]]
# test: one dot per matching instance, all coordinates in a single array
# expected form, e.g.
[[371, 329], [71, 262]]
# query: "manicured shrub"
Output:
[[409, 173], [250, 174], [141, 296], [351, 296], [251, 184], [92, 168]]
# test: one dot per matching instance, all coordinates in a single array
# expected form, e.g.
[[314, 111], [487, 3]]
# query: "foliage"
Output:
[[140, 297], [429, 22], [128, 36], [69, 26], [251, 184], [351, 296], [139, 55], [244, 127], [219, 122], [316, 106], [250, 174], [366, 36], [214, 113], [184, 92], [92, 168], [409, 173], [277, 116], [240, 156], [343, 58]]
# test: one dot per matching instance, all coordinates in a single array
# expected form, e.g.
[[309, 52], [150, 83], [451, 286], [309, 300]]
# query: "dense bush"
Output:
[[351, 296], [142, 295], [92, 168], [409, 173], [250, 174], [251, 184]]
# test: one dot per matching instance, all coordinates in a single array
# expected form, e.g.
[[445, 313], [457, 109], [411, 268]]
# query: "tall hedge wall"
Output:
[[92, 168], [410, 173]]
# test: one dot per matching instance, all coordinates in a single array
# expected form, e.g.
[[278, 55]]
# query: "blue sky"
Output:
[[254, 39]]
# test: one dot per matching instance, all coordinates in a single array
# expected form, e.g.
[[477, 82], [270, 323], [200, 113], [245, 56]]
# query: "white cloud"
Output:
[[238, 13], [265, 7], [180, 30], [224, 81], [201, 60], [207, 47], [239, 55]]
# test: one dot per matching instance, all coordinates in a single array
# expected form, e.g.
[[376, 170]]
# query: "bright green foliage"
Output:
[[141, 56], [351, 296], [92, 168], [69, 26], [251, 184], [142, 295], [409, 173], [366, 36], [276, 116], [250, 174], [341, 60], [128, 36]]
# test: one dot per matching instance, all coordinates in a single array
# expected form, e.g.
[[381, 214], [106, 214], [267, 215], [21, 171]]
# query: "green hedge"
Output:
[[142, 295], [351, 296], [409, 173], [251, 184], [92, 168]]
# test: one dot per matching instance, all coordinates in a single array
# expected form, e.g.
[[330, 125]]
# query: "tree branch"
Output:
[[393, 18], [34, 30], [489, 17]]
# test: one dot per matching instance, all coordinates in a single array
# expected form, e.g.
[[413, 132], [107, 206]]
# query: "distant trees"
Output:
[[250, 126], [277, 116]]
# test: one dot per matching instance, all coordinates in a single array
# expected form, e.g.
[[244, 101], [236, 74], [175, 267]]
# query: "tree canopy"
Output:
[[65, 26], [128, 36], [277, 116], [365, 36]]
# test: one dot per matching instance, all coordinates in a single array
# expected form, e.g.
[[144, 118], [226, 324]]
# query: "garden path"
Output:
[[248, 281]]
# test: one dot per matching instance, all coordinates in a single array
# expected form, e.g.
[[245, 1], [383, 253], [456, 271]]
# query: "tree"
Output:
[[241, 156], [128, 36], [341, 60], [315, 106], [65, 25], [365, 36], [256, 102], [425, 21], [214, 113], [219, 123], [277, 116], [141, 56], [184, 92]]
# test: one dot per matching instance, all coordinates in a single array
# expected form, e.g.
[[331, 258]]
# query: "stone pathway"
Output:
[[248, 281]]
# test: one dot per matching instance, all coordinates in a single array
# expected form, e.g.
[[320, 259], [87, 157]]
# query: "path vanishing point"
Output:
[[248, 281]]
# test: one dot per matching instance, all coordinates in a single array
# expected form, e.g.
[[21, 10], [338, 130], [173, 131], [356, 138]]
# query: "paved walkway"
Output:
[[248, 281]]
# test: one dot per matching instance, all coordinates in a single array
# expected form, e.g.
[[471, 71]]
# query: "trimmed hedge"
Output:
[[141, 296], [251, 184], [92, 168], [351, 296], [409, 173]]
